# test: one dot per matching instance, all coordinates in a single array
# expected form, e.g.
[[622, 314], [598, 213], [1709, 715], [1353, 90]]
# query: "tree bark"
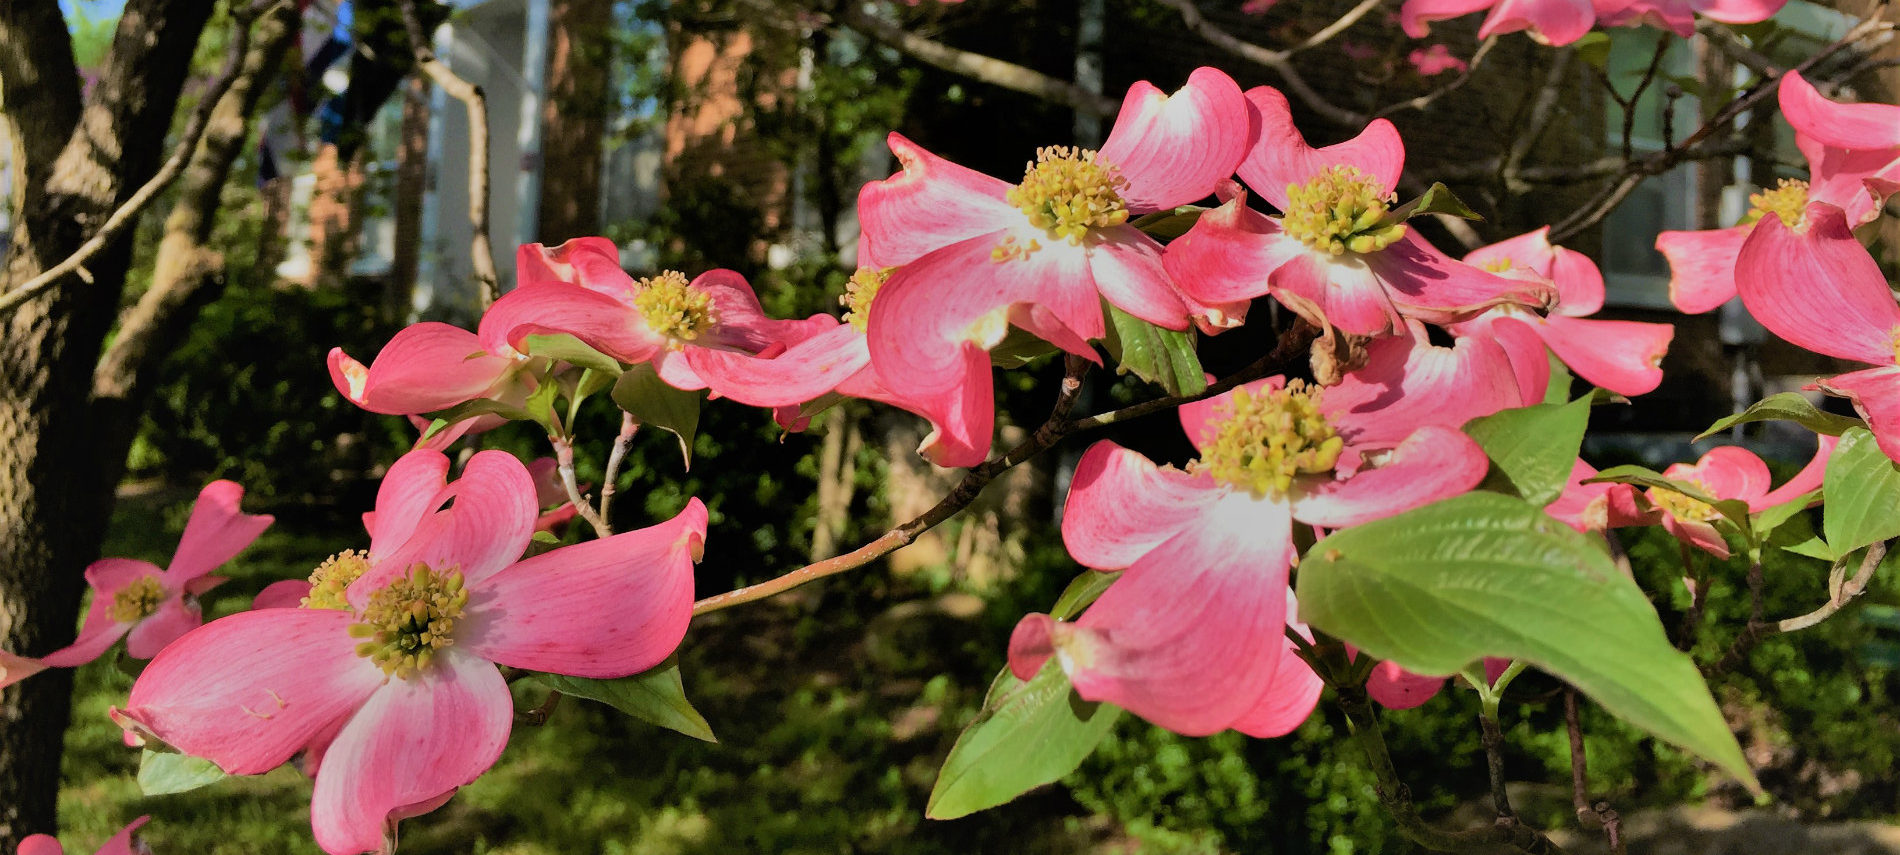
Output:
[[574, 119], [73, 169]]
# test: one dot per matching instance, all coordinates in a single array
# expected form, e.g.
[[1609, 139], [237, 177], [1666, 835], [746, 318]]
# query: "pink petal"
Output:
[[1624, 357], [590, 262], [1579, 283], [1433, 463], [1851, 126], [1199, 417], [13, 668], [485, 529], [1173, 148], [962, 419], [1732, 472], [604, 608], [1346, 291], [1281, 156], [1553, 22], [1702, 266], [803, 372], [1126, 266], [1433, 287], [1676, 16], [1229, 253], [1818, 289], [414, 487], [1584, 507], [1809, 478], [41, 844], [1289, 699], [412, 742], [1876, 396], [99, 631], [1121, 506], [119, 844], [1856, 181], [1529, 356], [603, 322], [424, 368], [1700, 535], [740, 322], [248, 691], [929, 203], [1415, 16], [1530, 251], [285, 594], [1190, 636], [108, 575], [172, 620], [931, 307], [1398, 689], [1741, 11], [1408, 382], [216, 532]]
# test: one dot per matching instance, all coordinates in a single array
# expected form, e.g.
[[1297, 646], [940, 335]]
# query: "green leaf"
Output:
[[1735, 510], [572, 351], [1534, 447], [1168, 225], [1163, 357], [540, 406], [1081, 592], [1787, 407], [441, 419], [1437, 199], [1487, 575], [1863, 491], [1594, 48], [1018, 348], [1557, 391], [655, 695], [1030, 734], [162, 773], [1771, 519], [655, 402]]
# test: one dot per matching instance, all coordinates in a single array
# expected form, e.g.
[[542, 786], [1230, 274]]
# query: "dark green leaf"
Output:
[[1487, 575], [1168, 225], [1594, 48], [1163, 357], [572, 351], [162, 773], [1032, 734], [654, 402], [1081, 592], [1534, 447], [1018, 348], [1863, 493], [655, 696], [1788, 407]]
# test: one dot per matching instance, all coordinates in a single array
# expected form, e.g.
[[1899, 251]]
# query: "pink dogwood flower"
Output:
[[119, 844], [1815, 286], [1728, 472], [386, 675], [1853, 153], [1622, 356], [1335, 256], [1678, 16], [976, 255], [828, 357], [430, 366], [149, 607], [1191, 636], [1551, 22]]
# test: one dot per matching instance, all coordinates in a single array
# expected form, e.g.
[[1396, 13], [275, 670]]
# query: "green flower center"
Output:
[[1067, 192], [333, 577], [138, 600], [1340, 211], [1269, 438], [1789, 201], [406, 622], [859, 291], [672, 308]]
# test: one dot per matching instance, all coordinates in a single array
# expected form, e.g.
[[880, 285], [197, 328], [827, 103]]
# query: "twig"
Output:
[[564, 464], [1542, 110], [1841, 594], [959, 498], [1492, 738], [629, 426], [481, 252], [1588, 812], [1636, 96], [1327, 32], [1727, 42], [1278, 60], [1292, 346], [242, 15], [1425, 100], [539, 715]]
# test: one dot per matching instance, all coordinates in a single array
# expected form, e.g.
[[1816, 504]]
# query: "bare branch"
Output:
[[1280, 61], [1327, 33], [481, 251], [1425, 100], [629, 426], [1841, 594], [1542, 110], [1587, 812], [169, 172]]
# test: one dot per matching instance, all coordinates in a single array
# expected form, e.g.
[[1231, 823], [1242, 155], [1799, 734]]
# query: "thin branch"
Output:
[[481, 251], [564, 465], [173, 167], [976, 66], [1842, 594], [1327, 33], [1543, 109], [1492, 737], [629, 426], [1280, 61], [1725, 40], [1842, 591], [1636, 96], [1456, 83], [1587, 812]]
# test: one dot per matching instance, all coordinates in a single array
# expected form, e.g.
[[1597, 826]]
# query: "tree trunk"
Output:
[[574, 120], [412, 177]]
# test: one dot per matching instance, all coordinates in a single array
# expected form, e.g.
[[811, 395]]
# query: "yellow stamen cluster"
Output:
[[1067, 192], [1501, 264], [138, 600], [1340, 211], [1683, 508], [672, 308], [859, 291], [333, 577], [1789, 201], [407, 622], [1270, 438]]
